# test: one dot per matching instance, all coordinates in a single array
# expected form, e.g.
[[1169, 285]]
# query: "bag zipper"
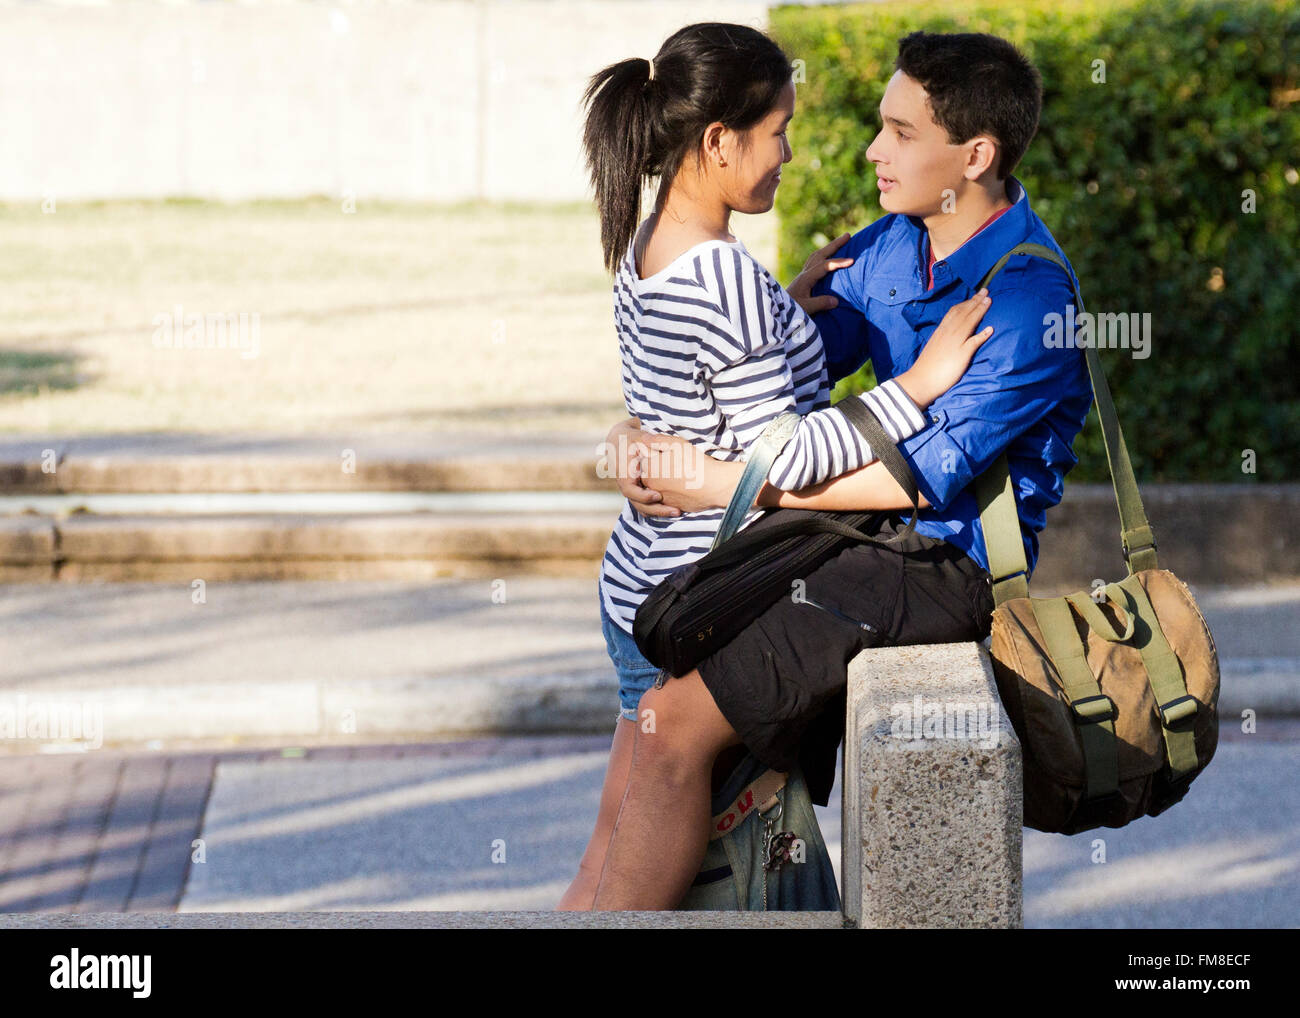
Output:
[[839, 614]]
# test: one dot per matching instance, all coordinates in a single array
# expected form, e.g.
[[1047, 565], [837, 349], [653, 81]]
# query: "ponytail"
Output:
[[617, 140]]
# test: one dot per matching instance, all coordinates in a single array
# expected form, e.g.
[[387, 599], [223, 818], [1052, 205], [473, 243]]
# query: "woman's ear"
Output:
[[717, 144]]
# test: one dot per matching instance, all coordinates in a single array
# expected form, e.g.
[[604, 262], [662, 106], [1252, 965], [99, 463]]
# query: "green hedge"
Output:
[[1139, 178]]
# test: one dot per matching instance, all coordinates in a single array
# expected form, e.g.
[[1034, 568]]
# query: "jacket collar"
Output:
[[979, 253]]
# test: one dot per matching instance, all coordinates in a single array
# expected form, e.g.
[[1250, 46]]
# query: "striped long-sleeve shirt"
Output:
[[713, 349]]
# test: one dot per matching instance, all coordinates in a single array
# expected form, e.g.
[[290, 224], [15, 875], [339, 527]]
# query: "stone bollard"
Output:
[[931, 828]]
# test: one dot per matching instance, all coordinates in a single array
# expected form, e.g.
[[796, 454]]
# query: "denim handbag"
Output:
[[733, 877]]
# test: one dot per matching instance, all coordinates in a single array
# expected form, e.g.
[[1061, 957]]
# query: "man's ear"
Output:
[[982, 154]]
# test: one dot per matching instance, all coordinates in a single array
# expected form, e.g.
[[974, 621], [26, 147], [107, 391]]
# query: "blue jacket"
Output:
[[1019, 394]]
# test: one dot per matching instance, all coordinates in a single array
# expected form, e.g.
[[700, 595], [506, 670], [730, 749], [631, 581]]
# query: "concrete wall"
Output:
[[932, 792], [441, 100]]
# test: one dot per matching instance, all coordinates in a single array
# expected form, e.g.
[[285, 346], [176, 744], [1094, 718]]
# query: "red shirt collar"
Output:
[[929, 268]]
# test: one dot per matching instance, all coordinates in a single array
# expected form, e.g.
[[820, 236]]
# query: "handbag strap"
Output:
[[765, 451], [996, 496], [758, 794], [883, 446], [1176, 708], [739, 548]]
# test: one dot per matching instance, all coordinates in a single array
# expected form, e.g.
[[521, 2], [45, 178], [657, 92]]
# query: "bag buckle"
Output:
[[995, 583], [1177, 710], [1093, 710], [1136, 548]]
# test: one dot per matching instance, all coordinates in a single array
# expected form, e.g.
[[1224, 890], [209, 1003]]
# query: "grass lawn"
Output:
[[390, 318]]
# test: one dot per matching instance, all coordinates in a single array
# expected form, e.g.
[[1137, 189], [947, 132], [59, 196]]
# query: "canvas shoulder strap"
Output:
[[780, 431], [996, 497]]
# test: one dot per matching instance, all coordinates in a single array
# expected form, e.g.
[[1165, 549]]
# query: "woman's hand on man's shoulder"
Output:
[[815, 269]]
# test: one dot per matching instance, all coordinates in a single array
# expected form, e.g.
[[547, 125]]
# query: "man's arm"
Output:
[[869, 487], [709, 484]]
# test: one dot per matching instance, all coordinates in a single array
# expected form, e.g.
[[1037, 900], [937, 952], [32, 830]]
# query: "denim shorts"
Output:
[[635, 673]]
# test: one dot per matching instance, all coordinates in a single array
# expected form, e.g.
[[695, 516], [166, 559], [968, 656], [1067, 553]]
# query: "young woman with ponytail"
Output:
[[712, 349]]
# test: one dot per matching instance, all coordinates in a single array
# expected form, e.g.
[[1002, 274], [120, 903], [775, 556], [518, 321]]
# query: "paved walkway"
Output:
[[99, 832], [1227, 856], [498, 824]]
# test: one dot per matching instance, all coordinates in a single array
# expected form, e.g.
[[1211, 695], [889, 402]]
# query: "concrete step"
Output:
[[234, 463], [424, 920], [1207, 534], [410, 546]]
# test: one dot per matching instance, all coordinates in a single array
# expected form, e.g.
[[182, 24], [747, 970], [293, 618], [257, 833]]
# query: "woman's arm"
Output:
[[688, 480], [623, 456], [664, 473], [825, 446]]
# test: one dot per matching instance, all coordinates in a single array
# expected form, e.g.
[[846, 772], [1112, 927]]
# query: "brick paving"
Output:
[[112, 830]]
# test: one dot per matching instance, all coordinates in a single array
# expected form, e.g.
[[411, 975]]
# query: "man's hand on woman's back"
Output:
[[627, 455]]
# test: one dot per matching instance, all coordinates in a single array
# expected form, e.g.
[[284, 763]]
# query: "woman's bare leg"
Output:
[[582, 892], [662, 829]]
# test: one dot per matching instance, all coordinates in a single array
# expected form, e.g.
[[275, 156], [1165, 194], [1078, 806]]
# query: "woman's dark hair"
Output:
[[976, 84], [639, 128]]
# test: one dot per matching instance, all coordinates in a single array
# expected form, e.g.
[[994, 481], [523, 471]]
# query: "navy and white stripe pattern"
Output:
[[827, 445], [713, 349]]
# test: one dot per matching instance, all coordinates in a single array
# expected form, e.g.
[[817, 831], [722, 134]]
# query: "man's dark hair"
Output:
[[977, 84]]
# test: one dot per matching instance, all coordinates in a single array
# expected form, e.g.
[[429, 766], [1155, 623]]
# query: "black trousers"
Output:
[[781, 683]]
